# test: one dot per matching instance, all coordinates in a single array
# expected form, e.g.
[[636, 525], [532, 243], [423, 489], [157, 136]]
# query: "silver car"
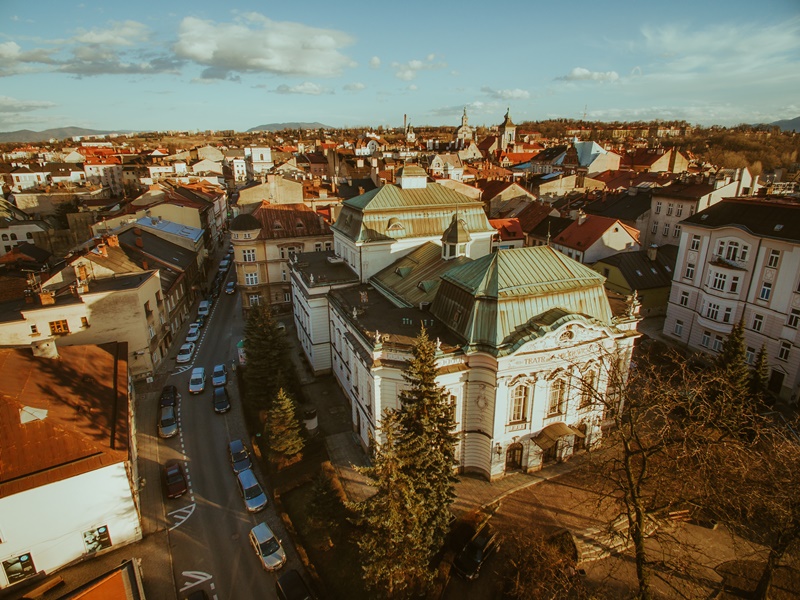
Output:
[[197, 380], [254, 497], [267, 547], [167, 423]]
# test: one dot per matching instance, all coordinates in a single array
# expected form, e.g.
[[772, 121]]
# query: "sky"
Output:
[[176, 65]]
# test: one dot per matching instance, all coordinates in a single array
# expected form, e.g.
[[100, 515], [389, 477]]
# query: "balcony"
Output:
[[718, 260]]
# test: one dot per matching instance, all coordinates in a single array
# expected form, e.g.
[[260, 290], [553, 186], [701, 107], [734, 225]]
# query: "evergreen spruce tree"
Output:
[[733, 390], [392, 544], [759, 376], [268, 365], [284, 430], [427, 419]]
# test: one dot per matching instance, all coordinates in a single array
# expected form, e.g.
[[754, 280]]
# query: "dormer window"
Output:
[[299, 225], [277, 226], [394, 224]]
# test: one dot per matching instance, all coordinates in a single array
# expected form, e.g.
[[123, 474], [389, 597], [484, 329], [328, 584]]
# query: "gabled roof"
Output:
[[621, 205], [687, 191], [508, 229], [640, 272], [580, 236], [551, 226], [63, 417], [533, 215], [549, 155], [762, 218]]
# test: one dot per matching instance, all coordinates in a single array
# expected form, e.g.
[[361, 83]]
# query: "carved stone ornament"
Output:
[[481, 400]]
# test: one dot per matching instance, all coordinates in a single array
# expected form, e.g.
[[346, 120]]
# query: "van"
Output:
[[253, 495]]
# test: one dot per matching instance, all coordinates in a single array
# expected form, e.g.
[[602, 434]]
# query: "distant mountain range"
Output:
[[280, 126], [788, 124], [60, 133]]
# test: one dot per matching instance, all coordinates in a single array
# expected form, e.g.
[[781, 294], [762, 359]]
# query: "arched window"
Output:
[[29, 235], [5, 237], [558, 393], [519, 403], [13, 236]]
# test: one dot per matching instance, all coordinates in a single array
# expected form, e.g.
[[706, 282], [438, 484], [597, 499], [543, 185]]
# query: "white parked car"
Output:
[[194, 333], [204, 308], [197, 380], [186, 353]]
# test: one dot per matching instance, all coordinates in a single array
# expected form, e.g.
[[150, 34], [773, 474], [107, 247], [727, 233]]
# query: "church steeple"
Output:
[[508, 131], [464, 119]]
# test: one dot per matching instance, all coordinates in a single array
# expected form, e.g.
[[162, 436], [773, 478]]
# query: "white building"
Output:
[[740, 259], [71, 490], [517, 330]]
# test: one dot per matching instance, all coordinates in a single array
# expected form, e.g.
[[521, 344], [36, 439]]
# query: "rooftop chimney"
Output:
[[652, 252], [47, 298], [112, 241], [139, 242], [581, 217], [102, 249]]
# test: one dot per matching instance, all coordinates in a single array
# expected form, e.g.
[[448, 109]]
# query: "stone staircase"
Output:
[[595, 543]]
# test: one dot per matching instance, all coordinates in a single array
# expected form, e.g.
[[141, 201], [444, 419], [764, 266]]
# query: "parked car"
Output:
[[197, 380], [222, 403], [240, 457], [194, 333], [290, 586], [230, 287], [469, 561], [175, 479], [219, 376], [253, 495], [200, 320], [185, 353], [224, 265], [169, 396], [267, 547], [167, 423], [204, 308]]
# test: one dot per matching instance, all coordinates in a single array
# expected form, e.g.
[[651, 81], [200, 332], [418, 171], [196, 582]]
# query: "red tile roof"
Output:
[[279, 221], [509, 229], [582, 236], [85, 395]]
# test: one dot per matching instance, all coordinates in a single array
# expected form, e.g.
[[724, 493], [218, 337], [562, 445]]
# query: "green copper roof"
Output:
[[495, 301]]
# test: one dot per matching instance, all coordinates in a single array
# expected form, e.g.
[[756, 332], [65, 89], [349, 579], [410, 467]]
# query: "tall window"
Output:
[[655, 227], [558, 390], [251, 278], [783, 352], [718, 341], [677, 232], [719, 281], [679, 210], [287, 296], [684, 301], [658, 208], [774, 258], [695, 243], [587, 388], [758, 322], [689, 271], [519, 404], [735, 283], [678, 329], [254, 299], [249, 255], [712, 311], [726, 317], [794, 318], [669, 209], [706, 339], [666, 229], [766, 291], [750, 355]]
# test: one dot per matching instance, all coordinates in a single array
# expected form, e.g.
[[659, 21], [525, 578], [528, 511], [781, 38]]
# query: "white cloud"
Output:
[[308, 88], [473, 108], [374, 62], [408, 71], [515, 94], [353, 87], [126, 33], [582, 74], [13, 105], [412, 88], [257, 44]]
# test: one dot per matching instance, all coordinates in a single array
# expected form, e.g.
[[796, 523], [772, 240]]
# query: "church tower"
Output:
[[464, 133], [508, 132]]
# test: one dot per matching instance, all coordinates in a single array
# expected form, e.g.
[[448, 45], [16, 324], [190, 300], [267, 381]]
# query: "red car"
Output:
[[175, 479]]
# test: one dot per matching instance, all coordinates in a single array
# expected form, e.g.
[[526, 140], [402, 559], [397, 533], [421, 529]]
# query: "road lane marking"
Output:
[[181, 515], [198, 577]]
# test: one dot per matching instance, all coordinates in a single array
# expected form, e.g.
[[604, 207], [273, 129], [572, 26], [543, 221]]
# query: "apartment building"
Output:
[[740, 259]]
